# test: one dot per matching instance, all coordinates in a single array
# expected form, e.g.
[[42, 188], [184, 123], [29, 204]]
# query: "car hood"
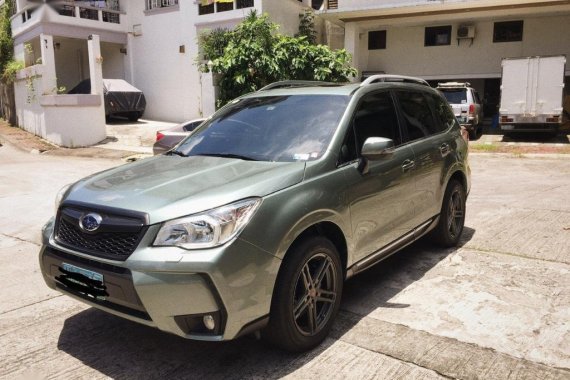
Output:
[[167, 187]]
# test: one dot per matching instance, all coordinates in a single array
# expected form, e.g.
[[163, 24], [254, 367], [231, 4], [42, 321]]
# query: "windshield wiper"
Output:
[[176, 152], [227, 155]]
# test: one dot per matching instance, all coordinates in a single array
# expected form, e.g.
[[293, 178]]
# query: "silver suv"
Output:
[[255, 220], [466, 105]]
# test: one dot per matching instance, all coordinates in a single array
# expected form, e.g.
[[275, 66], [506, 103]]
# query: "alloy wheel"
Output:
[[315, 294], [455, 213]]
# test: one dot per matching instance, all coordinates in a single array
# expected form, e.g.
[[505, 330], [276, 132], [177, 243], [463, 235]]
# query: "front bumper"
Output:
[[169, 287]]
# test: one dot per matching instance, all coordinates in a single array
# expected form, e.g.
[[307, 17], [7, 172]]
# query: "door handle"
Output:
[[408, 165], [444, 149]]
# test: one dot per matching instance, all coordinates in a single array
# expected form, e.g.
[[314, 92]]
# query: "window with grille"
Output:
[[438, 36], [508, 31], [154, 4]]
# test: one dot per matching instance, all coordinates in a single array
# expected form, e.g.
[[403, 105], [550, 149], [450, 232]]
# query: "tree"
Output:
[[256, 55], [6, 41], [307, 26]]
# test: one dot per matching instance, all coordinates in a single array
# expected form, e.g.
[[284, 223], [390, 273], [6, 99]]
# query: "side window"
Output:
[[375, 116], [418, 118], [477, 98], [443, 113]]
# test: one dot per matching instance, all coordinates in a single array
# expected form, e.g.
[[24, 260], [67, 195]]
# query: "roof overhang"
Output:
[[422, 11]]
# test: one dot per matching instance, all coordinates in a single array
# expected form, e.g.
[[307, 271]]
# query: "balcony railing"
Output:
[[213, 6], [105, 11]]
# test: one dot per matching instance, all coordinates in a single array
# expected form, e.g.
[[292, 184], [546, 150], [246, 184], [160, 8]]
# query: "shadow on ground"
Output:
[[536, 138], [123, 349]]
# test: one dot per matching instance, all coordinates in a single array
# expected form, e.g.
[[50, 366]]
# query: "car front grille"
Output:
[[115, 245]]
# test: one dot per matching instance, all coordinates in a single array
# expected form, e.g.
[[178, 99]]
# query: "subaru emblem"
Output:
[[90, 222]]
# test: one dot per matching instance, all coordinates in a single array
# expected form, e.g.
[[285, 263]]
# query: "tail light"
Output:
[[553, 119], [159, 136], [471, 109], [506, 119]]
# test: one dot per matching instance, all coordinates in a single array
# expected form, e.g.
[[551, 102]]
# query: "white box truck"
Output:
[[532, 91]]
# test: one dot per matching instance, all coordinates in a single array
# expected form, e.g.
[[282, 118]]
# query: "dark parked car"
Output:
[[168, 138], [121, 98]]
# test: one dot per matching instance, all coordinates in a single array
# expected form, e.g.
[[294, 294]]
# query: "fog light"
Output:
[[209, 322]]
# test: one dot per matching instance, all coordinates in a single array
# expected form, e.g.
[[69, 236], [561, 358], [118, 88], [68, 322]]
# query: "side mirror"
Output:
[[377, 148]]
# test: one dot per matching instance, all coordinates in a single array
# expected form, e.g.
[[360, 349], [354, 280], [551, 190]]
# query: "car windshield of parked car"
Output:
[[458, 96], [269, 128]]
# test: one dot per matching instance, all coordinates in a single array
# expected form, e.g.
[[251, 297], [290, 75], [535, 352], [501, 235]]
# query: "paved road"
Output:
[[498, 307]]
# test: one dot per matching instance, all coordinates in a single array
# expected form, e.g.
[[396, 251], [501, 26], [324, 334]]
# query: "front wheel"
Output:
[[452, 216], [307, 296]]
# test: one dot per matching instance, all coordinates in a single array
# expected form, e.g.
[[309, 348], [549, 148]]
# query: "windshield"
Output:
[[458, 96], [270, 128]]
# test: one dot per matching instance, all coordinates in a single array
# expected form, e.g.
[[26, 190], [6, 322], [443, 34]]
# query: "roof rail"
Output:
[[393, 78], [297, 83]]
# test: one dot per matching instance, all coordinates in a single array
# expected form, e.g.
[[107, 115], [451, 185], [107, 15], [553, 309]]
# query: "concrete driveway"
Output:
[[138, 136], [497, 307]]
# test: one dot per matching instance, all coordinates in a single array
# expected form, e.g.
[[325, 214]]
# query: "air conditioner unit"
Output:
[[466, 31]]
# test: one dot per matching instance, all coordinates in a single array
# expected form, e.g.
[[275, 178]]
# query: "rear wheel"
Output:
[[307, 296], [134, 116], [452, 216]]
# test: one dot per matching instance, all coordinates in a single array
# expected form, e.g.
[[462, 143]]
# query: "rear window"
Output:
[[458, 96]]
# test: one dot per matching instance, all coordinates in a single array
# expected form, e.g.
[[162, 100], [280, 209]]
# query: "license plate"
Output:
[[84, 272], [508, 127]]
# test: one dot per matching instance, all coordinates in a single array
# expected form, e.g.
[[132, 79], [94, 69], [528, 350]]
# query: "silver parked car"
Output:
[[256, 219], [169, 138], [466, 105]]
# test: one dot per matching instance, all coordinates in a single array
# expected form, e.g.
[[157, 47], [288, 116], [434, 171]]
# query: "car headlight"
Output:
[[209, 228], [59, 197]]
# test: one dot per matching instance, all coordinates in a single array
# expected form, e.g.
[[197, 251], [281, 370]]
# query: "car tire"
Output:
[[302, 313], [134, 116], [452, 217]]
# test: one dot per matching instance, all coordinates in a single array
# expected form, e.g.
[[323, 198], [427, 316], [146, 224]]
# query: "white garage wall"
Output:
[[406, 54]]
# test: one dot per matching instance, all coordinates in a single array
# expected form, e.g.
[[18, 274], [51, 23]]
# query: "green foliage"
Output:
[[6, 41], [11, 68], [256, 55], [307, 26], [214, 42]]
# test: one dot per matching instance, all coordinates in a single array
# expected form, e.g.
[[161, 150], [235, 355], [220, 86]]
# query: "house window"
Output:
[[508, 31], [377, 40], [437, 35], [154, 4], [206, 9], [222, 7], [244, 4]]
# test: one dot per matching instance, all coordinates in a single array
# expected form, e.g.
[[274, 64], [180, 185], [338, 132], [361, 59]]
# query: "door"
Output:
[[424, 131], [380, 198]]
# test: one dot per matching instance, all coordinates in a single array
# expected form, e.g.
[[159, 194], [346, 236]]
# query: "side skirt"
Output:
[[393, 247]]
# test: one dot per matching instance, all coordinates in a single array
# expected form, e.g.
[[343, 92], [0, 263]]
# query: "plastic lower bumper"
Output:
[[177, 291]]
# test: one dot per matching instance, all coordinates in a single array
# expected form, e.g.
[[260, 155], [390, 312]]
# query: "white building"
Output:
[[153, 45], [440, 40]]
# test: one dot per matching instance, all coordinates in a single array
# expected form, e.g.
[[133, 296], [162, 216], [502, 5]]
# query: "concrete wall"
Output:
[[71, 62], [285, 13], [405, 52], [113, 61], [168, 78]]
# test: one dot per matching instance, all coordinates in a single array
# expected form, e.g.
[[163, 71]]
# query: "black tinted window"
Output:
[[418, 118], [443, 113], [458, 96], [270, 128], [376, 117]]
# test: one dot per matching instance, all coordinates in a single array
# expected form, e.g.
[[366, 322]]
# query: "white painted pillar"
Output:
[[352, 45], [49, 78], [95, 65]]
